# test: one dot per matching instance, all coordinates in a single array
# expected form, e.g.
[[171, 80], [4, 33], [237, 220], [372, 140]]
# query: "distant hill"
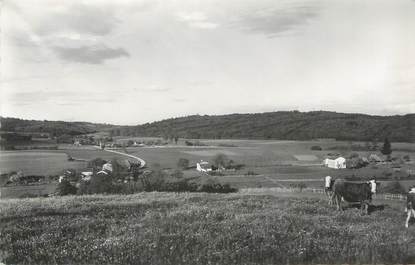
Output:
[[54, 128], [285, 125]]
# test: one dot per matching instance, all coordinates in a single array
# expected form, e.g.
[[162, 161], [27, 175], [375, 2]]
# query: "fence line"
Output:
[[384, 196]]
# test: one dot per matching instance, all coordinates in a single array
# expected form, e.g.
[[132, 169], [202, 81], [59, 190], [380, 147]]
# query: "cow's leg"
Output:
[[338, 201], [335, 200], [365, 206], [407, 218], [330, 195]]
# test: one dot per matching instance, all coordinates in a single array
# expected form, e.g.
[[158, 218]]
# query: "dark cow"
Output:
[[354, 192], [410, 205]]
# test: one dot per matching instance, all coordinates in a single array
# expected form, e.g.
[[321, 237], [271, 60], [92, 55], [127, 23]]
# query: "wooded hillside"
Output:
[[54, 128], [284, 125], [287, 125]]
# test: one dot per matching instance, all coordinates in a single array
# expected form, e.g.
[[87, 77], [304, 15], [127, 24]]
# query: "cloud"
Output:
[[58, 97], [273, 21], [196, 20], [89, 54], [75, 32], [157, 89], [79, 18]]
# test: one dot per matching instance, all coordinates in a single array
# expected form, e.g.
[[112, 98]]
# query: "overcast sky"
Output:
[[130, 62]]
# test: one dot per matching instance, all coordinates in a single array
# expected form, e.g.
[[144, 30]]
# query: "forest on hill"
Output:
[[284, 125], [54, 128]]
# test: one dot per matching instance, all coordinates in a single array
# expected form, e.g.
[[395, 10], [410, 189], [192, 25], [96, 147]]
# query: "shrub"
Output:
[[227, 145], [393, 187], [196, 143], [406, 158], [299, 185], [154, 179], [178, 174], [65, 188], [220, 160], [316, 148], [212, 186], [387, 173], [215, 173], [356, 162], [183, 163], [353, 155], [101, 183], [251, 173], [180, 186], [97, 163], [128, 188]]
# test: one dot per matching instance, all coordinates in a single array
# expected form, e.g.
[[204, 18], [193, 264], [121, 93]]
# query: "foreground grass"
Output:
[[168, 228]]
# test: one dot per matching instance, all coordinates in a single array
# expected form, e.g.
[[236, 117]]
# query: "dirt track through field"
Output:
[[275, 181], [142, 162]]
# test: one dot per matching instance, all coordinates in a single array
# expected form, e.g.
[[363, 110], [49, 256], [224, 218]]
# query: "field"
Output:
[[266, 163], [167, 228], [50, 162], [36, 162], [271, 163]]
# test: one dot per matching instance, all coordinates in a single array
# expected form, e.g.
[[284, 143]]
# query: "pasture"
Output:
[[166, 228]]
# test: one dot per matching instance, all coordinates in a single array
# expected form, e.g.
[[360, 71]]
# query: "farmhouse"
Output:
[[86, 175], [107, 167], [203, 166], [337, 163]]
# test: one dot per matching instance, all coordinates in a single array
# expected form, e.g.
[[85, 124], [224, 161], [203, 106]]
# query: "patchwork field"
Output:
[[266, 163], [167, 228]]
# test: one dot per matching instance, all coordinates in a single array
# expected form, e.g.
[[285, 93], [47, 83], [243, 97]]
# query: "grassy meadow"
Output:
[[183, 228]]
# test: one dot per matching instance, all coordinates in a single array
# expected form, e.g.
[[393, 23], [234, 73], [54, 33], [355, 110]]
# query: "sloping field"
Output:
[[210, 153], [51, 162], [27, 191], [166, 228], [306, 157], [36, 162]]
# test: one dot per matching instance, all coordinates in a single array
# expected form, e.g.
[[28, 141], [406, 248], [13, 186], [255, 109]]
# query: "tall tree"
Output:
[[387, 148]]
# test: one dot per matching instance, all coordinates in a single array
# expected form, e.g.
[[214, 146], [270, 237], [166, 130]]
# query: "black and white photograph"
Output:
[[217, 132]]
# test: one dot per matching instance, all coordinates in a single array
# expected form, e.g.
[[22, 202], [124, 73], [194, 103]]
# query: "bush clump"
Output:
[[216, 188], [316, 148], [183, 163], [65, 188]]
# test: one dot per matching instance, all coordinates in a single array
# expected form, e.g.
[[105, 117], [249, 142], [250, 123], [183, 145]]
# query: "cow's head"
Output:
[[373, 185]]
